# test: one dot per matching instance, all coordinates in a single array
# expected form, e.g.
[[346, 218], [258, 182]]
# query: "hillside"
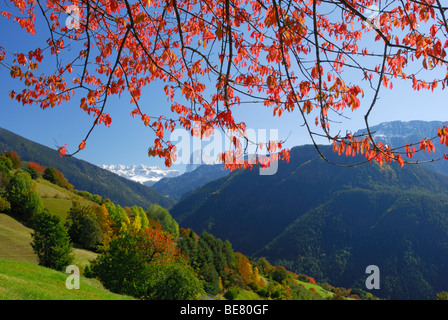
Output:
[[22, 279], [350, 215], [83, 175], [15, 240], [27, 281], [15, 244], [406, 239]]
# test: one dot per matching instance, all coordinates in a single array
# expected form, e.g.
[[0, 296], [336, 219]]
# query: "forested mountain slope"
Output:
[[337, 219], [83, 175]]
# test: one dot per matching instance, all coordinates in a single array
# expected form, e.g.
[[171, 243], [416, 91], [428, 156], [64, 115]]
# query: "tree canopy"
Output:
[[324, 59]]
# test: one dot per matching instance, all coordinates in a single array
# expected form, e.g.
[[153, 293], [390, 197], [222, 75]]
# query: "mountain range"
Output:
[[398, 133], [147, 175], [179, 187], [332, 222]]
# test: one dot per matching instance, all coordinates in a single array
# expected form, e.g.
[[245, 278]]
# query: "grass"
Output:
[[321, 291], [22, 279], [58, 207], [247, 295], [15, 240], [15, 244], [48, 190], [56, 199], [82, 258], [27, 281]]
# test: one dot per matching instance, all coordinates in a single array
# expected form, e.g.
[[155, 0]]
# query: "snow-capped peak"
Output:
[[147, 175]]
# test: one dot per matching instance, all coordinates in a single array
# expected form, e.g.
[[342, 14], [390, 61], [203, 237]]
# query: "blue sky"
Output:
[[127, 140]]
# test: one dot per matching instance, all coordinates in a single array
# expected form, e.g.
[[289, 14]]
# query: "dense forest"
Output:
[[332, 222]]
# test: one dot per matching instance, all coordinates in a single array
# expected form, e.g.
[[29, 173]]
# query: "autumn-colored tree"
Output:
[[256, 282], [443, 295], [264, 266], [320, 60], [118, 216], [129, 263], [4, 204], [243, 267], [57, 177], [105, 223], [311, 280], [141, 214], [34, 165], [15, 159]]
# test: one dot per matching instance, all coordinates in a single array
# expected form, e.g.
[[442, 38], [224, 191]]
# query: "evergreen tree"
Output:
[[50, 241], [189, 246], [90, 236], [211, 279], [83, 227]]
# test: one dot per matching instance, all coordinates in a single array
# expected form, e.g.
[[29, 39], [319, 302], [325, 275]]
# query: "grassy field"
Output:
[[15, 241], [22, 279], [56, 199], [15, 244], [247, 295], [27, 281], [323, 293]]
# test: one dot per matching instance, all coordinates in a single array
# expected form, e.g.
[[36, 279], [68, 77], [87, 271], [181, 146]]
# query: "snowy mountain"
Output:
[[398, 133], [147, 175], [387, 132]]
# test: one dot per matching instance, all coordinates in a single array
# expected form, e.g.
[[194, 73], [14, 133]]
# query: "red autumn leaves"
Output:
[[217, 56]]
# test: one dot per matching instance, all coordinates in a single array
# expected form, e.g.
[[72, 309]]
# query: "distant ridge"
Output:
[[398, 133], [180, 186], [84, 175]]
